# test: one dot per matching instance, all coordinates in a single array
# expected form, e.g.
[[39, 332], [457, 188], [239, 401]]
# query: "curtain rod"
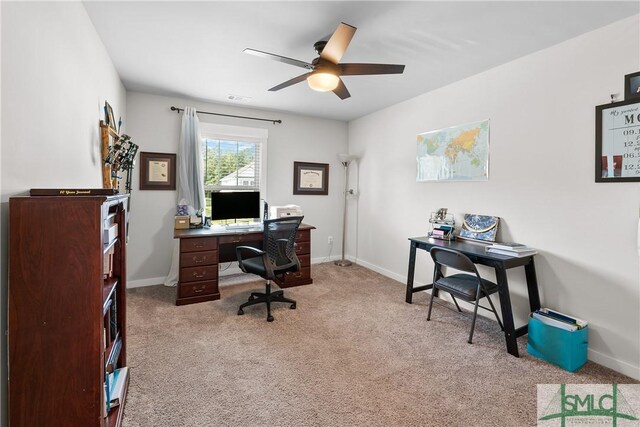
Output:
[[229, 115]]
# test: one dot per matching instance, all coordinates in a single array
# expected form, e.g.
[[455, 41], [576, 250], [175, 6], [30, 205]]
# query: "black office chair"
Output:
[[277, 258], [467, 287]]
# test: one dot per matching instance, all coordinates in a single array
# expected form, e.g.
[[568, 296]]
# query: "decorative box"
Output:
[[182, 222]]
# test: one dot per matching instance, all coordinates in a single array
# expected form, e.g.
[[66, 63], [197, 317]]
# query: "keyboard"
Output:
[[243, 227]]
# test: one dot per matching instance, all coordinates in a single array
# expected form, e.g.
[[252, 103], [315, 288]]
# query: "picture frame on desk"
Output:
[[157, 171], [311, 178], [617, 153]]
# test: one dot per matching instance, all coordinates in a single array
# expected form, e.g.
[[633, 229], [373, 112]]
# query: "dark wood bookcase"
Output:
[[67, 308]]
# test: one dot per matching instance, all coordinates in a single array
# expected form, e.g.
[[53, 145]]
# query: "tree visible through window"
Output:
[[230, 165]]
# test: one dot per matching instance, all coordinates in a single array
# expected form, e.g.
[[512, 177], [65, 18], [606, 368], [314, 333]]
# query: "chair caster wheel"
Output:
[[251, 298], [292, 307], [269, 318], [240, 312]]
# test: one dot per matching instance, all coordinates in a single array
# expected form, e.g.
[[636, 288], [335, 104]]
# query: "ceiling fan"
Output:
[[325, 71]]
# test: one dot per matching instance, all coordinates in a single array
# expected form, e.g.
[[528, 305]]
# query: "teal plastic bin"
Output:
[[566, 349]]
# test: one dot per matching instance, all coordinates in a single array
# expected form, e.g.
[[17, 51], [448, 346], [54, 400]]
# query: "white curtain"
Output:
[[190, 178]]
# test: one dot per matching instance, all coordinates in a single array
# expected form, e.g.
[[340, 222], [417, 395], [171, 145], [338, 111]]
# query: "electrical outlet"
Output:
[[330, 240]]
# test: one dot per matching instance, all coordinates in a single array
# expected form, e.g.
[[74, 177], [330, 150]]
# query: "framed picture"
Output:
[[632, 86], [108, 112], [479, 227], [310, 178], [618, 141], [157, 171]]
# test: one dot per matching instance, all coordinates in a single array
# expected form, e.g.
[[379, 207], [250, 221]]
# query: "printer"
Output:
[[286, 210]]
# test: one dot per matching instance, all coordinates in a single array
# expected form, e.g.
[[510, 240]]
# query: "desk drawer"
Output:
[[194, 259], [196, 274], [303, 236], [296, 276], [198, 244], [303, 248], [195, 289], [240, 238], [305, 260]]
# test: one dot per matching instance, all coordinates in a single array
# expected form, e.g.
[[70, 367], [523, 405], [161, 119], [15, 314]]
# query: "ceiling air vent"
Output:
[[238, 98]]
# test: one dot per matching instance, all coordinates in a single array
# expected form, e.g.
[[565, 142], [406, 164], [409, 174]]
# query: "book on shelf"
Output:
[[114, 355], [520, 254], [73, 192], [116, 386], [113, 318]]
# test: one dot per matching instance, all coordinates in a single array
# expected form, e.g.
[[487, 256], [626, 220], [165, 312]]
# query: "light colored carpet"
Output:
[[352, 354]]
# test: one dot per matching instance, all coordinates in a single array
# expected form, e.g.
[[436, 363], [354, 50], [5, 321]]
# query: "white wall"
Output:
[[56, 75], [541, 183], [154, 127]]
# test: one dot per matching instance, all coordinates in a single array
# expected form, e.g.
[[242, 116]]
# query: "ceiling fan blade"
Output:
[[279, 58], [367, 69], [342, 91], [338, 43], [291, 82]]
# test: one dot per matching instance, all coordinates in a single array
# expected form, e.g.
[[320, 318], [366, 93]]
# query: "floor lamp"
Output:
[[345, 159]]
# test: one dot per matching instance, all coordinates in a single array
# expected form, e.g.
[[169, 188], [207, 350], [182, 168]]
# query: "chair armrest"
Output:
[[240, 249], [256, 252]]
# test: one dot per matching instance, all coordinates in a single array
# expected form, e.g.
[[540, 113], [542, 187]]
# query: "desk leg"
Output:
[[507, 313], [411, 272], [532, 285]]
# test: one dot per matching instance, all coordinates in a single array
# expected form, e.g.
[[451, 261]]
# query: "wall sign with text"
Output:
[[618, 141]]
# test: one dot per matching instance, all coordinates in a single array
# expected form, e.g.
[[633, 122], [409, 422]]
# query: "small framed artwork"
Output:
[[310, 178], [157, 171], [632, 86], [108, 112], [618, 141], [479, 227]]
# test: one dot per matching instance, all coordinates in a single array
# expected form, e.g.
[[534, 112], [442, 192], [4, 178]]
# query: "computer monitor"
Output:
[[235, 205]]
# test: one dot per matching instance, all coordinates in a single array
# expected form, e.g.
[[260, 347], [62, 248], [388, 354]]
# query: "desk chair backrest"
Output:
[[453, 259], [279, 241]]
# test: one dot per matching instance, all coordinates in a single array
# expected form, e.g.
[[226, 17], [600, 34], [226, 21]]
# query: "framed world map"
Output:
[[457, 153]]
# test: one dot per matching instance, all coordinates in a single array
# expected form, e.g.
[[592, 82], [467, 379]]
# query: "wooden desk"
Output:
[[477, 253], [202, 249]]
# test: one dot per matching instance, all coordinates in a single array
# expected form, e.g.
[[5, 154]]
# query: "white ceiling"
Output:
[[194, 49]]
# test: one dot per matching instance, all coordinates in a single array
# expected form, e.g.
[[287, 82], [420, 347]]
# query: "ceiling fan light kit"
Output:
[[323, 81], [325, 70]]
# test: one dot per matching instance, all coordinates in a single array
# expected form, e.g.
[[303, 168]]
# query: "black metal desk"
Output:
[[477, 253]]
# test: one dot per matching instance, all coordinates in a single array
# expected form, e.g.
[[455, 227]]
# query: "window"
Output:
[[234, 159]]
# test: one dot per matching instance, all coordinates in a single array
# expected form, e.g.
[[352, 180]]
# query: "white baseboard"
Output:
[[615, 364], [388, 273], [145, 282], [233, 269], [325, 259]]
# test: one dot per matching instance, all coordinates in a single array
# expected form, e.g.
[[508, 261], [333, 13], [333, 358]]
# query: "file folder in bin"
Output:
[[566, 349]]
